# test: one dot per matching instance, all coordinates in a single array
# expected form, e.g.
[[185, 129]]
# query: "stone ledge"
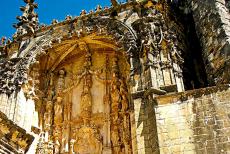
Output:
[[12, 137], [145, 93], [183, 96]]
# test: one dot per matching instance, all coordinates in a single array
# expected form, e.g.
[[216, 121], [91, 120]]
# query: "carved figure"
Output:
[[86, 100], [87, 141], [48, 114], [115, 139], [60, 84], [124, 93], [58, 111], [115, 93], [56, 145], [72, 141]]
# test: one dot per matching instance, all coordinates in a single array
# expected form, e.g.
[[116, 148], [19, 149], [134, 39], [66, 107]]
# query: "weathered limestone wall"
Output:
[[212, 22], [20, 110], [145, 134], [194, 121]]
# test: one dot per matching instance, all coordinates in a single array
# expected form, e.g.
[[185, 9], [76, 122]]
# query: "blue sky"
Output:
[[47, 10]]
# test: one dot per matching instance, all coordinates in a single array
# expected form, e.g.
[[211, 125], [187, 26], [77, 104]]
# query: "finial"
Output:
[[91, 12], [83, 12], [28, 1], [68, 17], [54, 21], [3, 41], [106, 8], [114, 3], [28, 21], [98, 8]]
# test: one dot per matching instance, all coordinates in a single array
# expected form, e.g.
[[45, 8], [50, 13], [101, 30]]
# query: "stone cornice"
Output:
[[12, 137], [183, 96]]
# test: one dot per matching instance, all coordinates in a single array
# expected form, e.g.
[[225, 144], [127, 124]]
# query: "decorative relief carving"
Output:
[[86, 99], [31, 50], [83, 133], [58, 109], [159, 53], [120, 122], [48, 116], [13, 139], [87, 140]]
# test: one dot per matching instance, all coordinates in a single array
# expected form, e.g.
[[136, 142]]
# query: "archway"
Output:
[[84, 101]]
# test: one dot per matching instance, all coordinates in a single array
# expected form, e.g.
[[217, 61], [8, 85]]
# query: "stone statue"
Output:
[[72, 141], [115, 139], [61, 82], [56, 145], [48, 115], [86, 99], [58, 111], [124, 93], [115, 93]]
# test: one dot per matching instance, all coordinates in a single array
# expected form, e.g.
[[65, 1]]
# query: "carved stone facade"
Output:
[[101, 83]]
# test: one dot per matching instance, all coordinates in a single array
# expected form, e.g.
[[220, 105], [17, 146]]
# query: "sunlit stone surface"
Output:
[[142, 77]]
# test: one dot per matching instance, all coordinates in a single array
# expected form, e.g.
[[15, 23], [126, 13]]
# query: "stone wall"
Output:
[[212, 24], [144, 133], [194, 121], [20, 110]]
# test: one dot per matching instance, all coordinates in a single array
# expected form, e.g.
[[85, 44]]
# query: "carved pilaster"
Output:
[[120, 122], [126, 137], [115, 108], [58, 113]]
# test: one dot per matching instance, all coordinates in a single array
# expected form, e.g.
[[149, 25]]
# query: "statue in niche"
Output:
[[66, 127], [57, 121], [86, 99], [115, 93], [58, 111], [61, 81], [48, 116], [50, 92], [72, 141], [115, 118], [56, 145], [115, 139], [65, 138], [124, 93], [88, 141], [175, 55]]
